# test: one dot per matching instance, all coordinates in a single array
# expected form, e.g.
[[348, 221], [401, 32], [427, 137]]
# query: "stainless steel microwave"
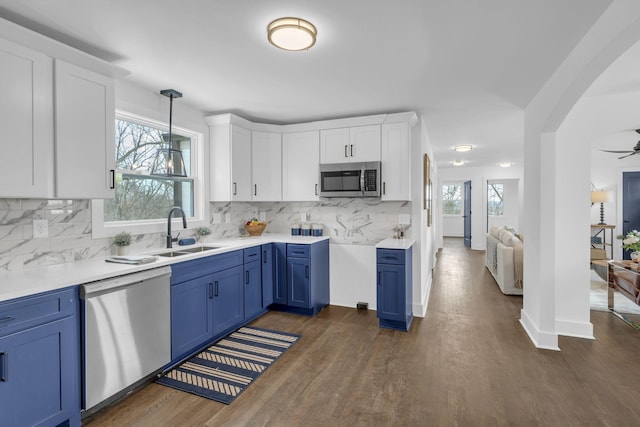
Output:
[[350, 180]]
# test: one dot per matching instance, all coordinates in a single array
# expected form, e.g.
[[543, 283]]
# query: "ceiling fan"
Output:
[[636, 149]]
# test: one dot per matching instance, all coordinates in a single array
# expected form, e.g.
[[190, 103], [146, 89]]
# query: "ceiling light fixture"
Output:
[[457, 162], [292, 34], [169, 161], [462, 148], [505, 164]]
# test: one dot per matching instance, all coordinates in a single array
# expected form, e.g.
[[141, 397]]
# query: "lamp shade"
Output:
[[599, 196]]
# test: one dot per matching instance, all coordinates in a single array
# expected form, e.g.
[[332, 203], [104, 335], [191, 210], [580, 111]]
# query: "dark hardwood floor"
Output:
[[467, 363]]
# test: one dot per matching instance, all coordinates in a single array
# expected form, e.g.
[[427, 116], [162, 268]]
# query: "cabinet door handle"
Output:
[[112, 173], [6, 319], [306, 271], [216, 293], [351, 150], [316, 189], [255, 189], [210, 290], [384, 188], [264, 258], [235, 189], [345, 151], [4, 367], [246, 277]]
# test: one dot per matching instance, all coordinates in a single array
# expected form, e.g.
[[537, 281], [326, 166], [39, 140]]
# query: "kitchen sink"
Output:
[[187, 251]]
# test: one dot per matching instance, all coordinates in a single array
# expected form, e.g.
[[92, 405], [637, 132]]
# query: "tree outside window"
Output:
[[138, 194], [451, 199], [495, 199]]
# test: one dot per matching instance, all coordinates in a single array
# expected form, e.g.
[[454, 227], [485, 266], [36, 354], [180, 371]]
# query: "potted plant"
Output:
[[203, 232], [631, 242], [122, 241]]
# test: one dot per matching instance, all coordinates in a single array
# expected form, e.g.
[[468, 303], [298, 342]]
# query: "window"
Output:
[[451, 199], [495, 199], [142, 200], [140, 195]]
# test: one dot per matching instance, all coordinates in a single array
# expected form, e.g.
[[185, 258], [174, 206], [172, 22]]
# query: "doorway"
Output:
[[503, 203], [467, 214]]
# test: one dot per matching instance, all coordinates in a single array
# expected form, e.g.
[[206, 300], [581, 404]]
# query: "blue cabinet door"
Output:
[[39, 375], [191, 323], [298, 275], [252, 289], [228, 299], [268, 275], [280, 279], [390, 295]]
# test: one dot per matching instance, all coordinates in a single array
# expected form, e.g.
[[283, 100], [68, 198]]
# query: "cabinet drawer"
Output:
[[187, 270], [298, 251], [252, 254], [29, 311], [390, 256]]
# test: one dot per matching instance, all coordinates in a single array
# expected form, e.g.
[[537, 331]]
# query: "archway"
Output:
[[556, 180]]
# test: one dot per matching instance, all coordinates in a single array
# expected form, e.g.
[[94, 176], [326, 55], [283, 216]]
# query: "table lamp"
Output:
[[601, 197]]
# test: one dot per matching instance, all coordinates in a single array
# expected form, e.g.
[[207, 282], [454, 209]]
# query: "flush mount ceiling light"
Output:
[[292, 34], [457, 162], [505, 164], [463, 148]]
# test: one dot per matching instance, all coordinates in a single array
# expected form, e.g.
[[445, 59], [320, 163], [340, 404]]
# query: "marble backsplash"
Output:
[[348, 221]]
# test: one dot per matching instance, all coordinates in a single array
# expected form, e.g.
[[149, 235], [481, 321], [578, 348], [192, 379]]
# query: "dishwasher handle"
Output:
[[92, 289]]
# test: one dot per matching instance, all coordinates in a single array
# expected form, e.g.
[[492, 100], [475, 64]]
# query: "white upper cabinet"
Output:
[[396, 161], [26, 108], [84, 133], [355, 144], [300, 160], [266, 161], [230, 162]]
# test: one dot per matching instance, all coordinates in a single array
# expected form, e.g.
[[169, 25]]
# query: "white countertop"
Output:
[[19, 283], [395, 244]]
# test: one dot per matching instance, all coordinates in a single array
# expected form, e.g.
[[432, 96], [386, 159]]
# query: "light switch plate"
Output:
[[217, 218], [40, 228], [404, 219], [263, 216], [303, 217]]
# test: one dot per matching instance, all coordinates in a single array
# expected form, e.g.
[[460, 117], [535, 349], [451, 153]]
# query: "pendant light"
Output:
[[169, 161]]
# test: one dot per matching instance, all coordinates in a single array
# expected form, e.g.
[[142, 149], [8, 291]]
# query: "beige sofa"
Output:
[[503, 258]]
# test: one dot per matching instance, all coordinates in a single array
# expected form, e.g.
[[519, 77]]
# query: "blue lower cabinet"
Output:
[[191, 311], [393, 291], [227, 294], [268, 274], [40, 365], [302, 277], [252, 290]]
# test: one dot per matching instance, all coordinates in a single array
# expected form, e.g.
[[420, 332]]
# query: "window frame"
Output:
[[100, 229]]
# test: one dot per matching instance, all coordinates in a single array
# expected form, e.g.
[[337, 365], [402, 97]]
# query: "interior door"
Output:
[[630, 203], [467, 214]]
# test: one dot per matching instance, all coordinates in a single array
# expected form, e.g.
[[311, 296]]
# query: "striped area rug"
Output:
[[224, 370]]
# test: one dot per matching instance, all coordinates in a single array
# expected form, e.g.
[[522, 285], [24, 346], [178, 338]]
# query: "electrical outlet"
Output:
[[217, 218], [40, 228], [404, 219], [263, 216], [227, 217], [303, 217]]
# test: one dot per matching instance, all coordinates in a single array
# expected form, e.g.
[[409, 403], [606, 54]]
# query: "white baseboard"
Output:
[[420, 309], [575, 329], [544, 340]]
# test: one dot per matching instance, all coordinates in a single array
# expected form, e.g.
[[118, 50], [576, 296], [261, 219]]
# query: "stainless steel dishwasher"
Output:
[[127, 332]]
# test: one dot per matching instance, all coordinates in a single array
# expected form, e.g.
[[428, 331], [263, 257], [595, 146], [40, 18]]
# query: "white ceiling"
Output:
[[469, 66]]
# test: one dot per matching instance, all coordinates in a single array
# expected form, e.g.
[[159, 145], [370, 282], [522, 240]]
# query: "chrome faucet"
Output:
[[170, 239]]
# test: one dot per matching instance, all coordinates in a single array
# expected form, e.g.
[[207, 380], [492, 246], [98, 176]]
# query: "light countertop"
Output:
[[395, 244], [19, 283]]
